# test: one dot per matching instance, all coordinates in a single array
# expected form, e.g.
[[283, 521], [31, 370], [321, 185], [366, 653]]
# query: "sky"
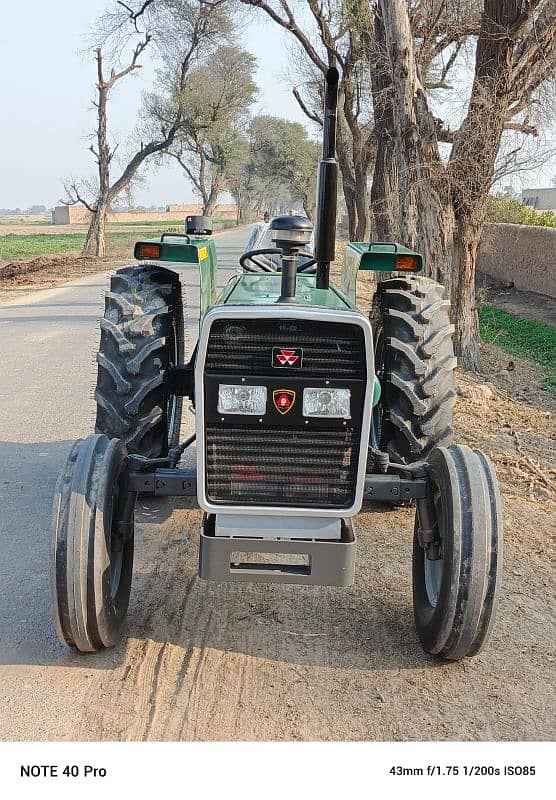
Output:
[[47, 85]]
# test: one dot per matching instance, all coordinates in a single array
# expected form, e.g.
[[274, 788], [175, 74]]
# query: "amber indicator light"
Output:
[[407, 263], [149, 251]]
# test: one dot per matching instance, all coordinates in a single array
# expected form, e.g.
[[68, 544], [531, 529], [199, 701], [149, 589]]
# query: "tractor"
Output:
[[305, 409]]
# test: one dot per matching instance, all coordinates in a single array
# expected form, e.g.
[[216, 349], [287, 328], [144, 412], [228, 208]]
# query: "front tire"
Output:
[[142, 334], [92, 545], [455, 596]]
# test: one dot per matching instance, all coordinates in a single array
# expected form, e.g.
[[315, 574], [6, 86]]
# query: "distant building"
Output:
[[78, 214], [540, 199], [33, 211], [68, 215]]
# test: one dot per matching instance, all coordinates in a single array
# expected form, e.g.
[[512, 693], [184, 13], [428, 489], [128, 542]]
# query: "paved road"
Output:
[[229, 661], [48, 343]]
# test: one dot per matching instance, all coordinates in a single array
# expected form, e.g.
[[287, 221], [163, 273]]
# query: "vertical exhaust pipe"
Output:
[[327, 184]]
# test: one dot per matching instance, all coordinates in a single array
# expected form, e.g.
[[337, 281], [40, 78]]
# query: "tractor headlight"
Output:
[[241, 399], [327, 403]]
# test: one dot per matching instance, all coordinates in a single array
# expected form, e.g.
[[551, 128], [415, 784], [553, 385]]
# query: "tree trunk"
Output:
[[425, 220], [345, 162], [384, 189], [211, 199], [95, 241], [464, 312], [472, 163], [351, 209], [362, 227]]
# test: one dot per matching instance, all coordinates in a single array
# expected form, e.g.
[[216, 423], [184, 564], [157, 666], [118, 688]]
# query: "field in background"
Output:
[[118, 244], [15, 246]]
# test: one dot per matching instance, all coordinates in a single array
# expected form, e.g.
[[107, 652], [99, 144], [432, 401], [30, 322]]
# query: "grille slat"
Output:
[[286, 465], [247, 347], [280, 466]]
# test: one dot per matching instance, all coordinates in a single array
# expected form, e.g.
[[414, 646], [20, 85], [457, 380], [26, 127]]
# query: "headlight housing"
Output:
[[326, 402], [241, 399]]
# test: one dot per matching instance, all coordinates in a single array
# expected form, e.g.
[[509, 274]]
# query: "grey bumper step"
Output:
[[309, 561]]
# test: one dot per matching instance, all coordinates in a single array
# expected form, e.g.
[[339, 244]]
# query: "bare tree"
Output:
[[198, 25]]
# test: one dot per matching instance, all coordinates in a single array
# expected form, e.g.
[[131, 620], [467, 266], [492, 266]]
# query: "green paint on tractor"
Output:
[[264, 289]]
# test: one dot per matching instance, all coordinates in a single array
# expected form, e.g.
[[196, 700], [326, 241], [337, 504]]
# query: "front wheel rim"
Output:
[[433, 569], [172, 405], [433, 578]]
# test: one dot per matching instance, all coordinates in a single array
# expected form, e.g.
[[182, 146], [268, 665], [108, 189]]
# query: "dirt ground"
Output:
[[529, 305], [261, 662], [19, 277]]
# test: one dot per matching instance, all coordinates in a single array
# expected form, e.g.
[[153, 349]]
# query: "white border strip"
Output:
[[281, 312]]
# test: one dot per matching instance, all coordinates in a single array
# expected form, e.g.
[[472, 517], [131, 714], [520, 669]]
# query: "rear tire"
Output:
[[455, 597], [142, 334], [93, 556], [414, 360]]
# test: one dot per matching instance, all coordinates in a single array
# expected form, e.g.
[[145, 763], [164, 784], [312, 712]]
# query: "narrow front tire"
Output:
[[455, 593], [92, 545]]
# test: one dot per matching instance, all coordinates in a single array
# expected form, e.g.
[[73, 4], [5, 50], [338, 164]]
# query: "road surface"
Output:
[[204, 661]]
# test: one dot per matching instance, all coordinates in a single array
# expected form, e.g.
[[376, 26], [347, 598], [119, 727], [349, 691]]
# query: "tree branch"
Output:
[[310, 114], [134, 15], [291, 25], [133, 65], [72, 188], [522, 127]]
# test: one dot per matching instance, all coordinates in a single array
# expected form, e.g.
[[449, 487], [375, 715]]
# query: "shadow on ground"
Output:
[[361, 627]]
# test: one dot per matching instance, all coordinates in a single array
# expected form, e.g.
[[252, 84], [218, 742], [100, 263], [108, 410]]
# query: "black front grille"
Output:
[[289, 460], [330, 349], [281, 466]]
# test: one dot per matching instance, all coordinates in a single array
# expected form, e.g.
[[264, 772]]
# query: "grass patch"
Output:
[[119, 244], [47, 220], [14, 246], [524, 338]]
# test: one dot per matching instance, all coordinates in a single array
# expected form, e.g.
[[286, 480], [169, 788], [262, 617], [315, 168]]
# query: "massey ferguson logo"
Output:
[[284, 357]]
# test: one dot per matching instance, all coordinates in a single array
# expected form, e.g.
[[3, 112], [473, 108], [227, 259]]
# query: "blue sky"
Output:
[[47, 84], [47, 87]]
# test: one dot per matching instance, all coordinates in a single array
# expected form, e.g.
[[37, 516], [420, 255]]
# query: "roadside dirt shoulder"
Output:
[[44, 272]]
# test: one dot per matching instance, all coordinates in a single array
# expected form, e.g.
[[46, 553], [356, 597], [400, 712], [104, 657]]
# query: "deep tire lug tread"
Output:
[[122, 386], [124, 345], [408, 352], [119, 424], [135, 364]]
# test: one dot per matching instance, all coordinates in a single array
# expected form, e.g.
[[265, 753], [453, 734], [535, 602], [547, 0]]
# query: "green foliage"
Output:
[[215, 103], [508, 209], [284, 156], [524, 338]]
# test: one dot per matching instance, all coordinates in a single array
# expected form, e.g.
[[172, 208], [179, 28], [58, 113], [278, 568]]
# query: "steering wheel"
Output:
[[267, 265]]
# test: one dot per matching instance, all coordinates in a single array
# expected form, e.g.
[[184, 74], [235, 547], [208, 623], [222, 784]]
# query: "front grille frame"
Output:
[[238, 313]]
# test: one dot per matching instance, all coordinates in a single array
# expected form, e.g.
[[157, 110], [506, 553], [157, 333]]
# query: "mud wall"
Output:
[[524, 255], [71, 215]]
